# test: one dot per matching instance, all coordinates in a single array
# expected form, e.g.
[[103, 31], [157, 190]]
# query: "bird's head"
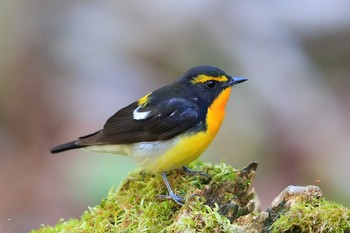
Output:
[[208, 83]]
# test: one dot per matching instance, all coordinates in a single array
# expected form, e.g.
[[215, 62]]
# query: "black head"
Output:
[[208, 82]]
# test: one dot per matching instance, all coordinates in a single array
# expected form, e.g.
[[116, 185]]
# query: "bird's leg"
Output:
[[196, 173], [179, 200]]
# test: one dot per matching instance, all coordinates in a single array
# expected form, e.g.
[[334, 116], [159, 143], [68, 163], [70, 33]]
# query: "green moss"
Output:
[[201, 218], [315, 216], [223, 204], [136, 206]]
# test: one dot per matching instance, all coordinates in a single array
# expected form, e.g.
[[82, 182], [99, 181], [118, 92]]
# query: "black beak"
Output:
[[234, 81]]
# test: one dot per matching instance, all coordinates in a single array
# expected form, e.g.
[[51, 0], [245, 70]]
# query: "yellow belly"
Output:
[[185, 151], [190, 147]]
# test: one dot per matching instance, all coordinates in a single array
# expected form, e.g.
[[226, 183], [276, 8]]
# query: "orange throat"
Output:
[[216, 112]]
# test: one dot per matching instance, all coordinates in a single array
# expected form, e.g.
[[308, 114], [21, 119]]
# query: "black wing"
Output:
[[163, 121]]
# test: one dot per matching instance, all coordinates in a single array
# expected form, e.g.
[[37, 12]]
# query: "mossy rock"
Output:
[[226, 203], [314, 216]]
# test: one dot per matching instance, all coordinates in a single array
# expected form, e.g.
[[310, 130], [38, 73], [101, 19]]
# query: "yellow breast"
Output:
[[191, 146]]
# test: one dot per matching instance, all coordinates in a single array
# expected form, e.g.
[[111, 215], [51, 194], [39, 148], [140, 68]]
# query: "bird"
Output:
[[167, 128]]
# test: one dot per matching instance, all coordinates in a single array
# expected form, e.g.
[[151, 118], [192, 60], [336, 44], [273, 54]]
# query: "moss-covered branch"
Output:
[[226, 203]]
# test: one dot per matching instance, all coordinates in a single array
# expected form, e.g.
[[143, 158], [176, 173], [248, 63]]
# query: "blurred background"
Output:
[[66, 66]]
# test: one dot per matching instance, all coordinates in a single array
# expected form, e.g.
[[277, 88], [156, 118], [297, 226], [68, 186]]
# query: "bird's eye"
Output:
[[210, 84]]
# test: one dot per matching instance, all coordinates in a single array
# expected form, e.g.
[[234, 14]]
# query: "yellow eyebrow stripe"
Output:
[[144, 100], [204, 78]]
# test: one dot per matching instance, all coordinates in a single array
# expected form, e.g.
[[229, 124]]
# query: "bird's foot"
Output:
[[191, 172], [179, 200]]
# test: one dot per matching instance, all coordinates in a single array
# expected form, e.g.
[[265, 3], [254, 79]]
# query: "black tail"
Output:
[[64, 147]]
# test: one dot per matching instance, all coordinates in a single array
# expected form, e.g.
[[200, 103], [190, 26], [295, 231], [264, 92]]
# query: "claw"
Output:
[[179, 200]]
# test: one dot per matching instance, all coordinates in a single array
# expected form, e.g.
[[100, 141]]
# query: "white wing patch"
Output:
[[140, 115]]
